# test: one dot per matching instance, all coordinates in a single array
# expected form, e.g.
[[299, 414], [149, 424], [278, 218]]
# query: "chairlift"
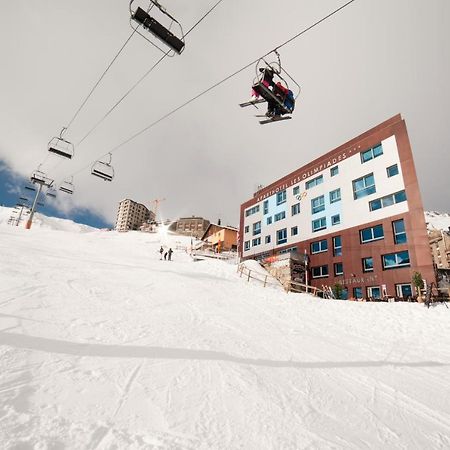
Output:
[[24, 199], [61, 147], [270, 85], [39, 177], [103, 169], [153, 24], [40, 203], [51, 192], [30, 187], [67, 186]]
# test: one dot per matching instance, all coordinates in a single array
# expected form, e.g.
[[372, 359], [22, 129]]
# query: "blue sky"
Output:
[[12, 184]]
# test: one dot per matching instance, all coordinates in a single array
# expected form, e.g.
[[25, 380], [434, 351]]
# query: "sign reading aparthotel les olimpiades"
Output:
[[305, 174], [356, 211]]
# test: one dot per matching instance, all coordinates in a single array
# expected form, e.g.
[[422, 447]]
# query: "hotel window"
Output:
[[398, 227], [317, 204], [252, 210], [256, 228], [296, 190], [256, 241], [279, 216], [335, 196], [337, 246], [269, 220], [372, 153], [338, 269], [295, 209], [336, 219], [319, 224], [367, 264], [374, 292], [281, 197], [334, 171], [294, 231], [246, 229], [247, 245], [371, 234], [266, 207], [319, 246], [394, 260], [404, 289], [288, 250], [364, 186], [388, 200], [282, 236], [319, 271], [314, 182], [267, 239], [357, 292], [392, 170]]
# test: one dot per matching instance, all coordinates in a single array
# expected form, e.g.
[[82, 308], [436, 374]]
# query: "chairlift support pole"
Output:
[[33, 208], [19, 217]]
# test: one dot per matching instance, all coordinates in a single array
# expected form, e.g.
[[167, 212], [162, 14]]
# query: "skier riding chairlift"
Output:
[[280, 99]]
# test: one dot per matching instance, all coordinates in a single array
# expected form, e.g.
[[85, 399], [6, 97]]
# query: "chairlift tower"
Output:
[[41, 180]]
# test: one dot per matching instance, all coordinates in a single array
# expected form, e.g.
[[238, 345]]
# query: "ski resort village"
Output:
[[224, 227]]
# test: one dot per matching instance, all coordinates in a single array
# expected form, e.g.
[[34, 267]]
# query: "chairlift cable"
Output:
[[275, 50], [138, 82], [196, 97], [99, 80]]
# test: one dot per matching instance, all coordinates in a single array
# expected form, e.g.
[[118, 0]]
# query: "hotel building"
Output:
[[356, 211]]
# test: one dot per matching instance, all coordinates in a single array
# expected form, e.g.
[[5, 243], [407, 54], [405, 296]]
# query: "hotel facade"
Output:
[[356, 212]]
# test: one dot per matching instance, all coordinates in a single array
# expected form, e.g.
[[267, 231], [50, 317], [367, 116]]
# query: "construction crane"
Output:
[[156, 203]]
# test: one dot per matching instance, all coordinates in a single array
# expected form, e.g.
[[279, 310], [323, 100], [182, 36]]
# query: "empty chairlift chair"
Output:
[[67, 187], [51, 192], [29, 187], [39, 177], [61, 147], [153, 24], [103, 169]]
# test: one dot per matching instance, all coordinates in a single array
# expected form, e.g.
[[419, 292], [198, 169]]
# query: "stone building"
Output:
[[191, 226]]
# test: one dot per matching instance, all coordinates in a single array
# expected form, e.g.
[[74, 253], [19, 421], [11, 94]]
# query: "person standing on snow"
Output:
[[161, 251], [165, 256], [170, 254]]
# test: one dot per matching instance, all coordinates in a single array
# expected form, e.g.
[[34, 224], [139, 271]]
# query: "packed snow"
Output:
[[105, 346]]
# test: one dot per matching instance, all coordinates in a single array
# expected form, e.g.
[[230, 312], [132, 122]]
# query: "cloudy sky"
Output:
[[369, 62]]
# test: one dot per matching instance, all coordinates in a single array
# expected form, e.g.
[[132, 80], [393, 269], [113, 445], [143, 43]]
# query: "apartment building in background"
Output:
[[131, 215], [190, 226], [355, 211]]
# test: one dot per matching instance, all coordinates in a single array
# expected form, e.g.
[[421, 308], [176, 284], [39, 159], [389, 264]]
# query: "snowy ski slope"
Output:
[[104, 346]]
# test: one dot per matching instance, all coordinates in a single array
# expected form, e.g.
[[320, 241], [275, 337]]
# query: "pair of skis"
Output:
[[269, 119]]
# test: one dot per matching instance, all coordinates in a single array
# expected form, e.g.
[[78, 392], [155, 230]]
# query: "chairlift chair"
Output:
[[51, 192], [275, 91], [39, 177], [161, 32], [103, 169], [30, 187], [61, 147], [67, 186]]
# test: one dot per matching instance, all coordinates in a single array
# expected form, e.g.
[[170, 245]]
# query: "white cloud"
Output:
[[361, 67]]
